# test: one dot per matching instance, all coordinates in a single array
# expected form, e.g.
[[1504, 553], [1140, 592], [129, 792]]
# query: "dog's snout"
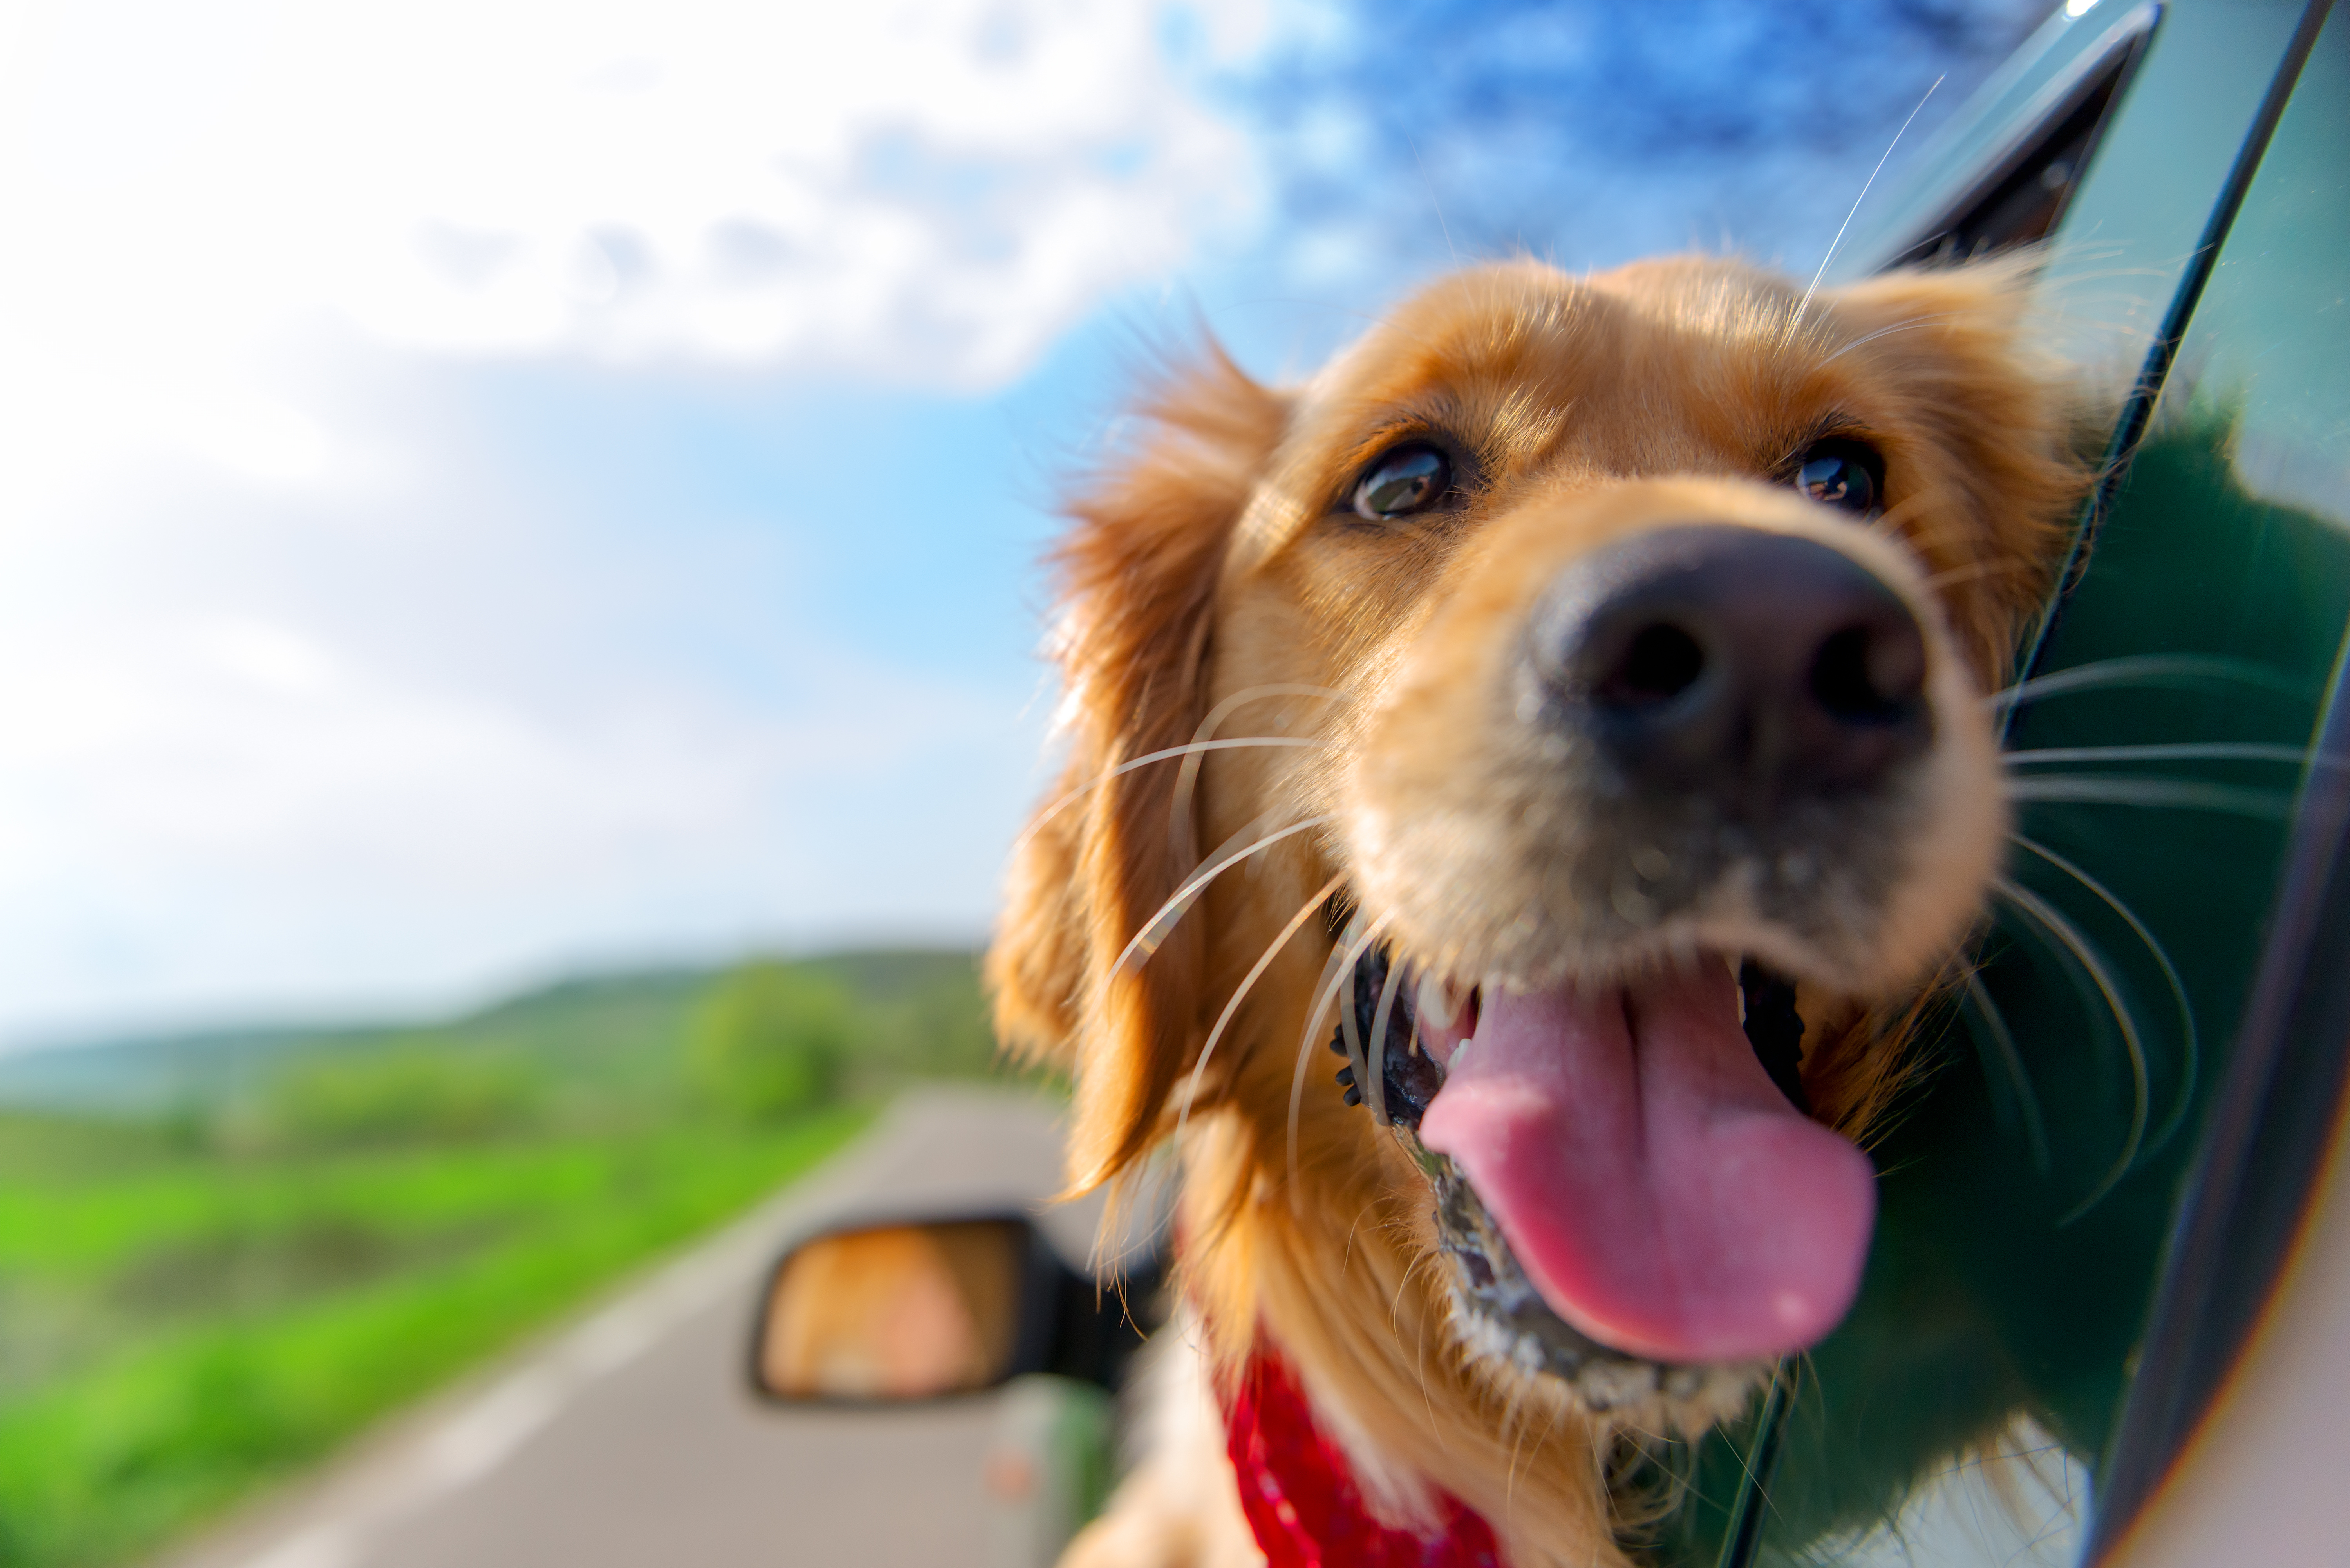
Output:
[[1732, 662]]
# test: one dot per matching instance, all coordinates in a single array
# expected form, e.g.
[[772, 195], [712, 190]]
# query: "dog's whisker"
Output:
[[1797, 319], [1344, 957], [1904, 524], [1187, 778], [1895, 523], [2071, 939], [1419, 1348], [1443, 227], [2195, 750], [2159, 795], [1975, 571], [1376, 1058], [1411, 1270], [1305, 1056], [1769, 1392], [2190, 1045], [1976, 997], [1036, 824], [2188, 669], [1354, 1228], [1156, 928], [1542, 1439], [1888, 523], [1923, 535], [1906, 324], [1240, 994], [1517, 1428], [1349, 1031]]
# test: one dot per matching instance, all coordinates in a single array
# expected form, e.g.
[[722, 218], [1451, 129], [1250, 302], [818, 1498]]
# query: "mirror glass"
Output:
[[897, 1311]]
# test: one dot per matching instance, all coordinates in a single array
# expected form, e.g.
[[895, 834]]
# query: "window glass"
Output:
[[2133, 221], [2270, 356]]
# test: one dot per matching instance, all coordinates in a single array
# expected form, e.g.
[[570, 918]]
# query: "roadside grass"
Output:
[[248, 1253], [211, 1326]]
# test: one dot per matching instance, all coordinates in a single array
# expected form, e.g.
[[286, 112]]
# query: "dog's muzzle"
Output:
[[1508, 1321]]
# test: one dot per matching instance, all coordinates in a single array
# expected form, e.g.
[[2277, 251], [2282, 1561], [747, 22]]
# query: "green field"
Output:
[[221, 1256]]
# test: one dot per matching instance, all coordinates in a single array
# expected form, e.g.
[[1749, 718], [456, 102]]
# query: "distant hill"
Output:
[[920, 1010]]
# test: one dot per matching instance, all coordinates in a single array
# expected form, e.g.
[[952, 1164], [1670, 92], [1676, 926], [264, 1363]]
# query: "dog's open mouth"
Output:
[[1650, 1176]]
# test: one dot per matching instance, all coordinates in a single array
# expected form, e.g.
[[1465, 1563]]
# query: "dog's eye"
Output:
[[1846, 474], [1410, 478]]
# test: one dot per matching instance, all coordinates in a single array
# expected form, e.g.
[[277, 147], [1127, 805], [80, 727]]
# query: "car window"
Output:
[[2023, 194], [2139, 972], [2009, 110], [2132, 222]]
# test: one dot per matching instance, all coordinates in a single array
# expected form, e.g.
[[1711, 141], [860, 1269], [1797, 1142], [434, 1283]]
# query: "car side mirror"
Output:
[[883, 1313]]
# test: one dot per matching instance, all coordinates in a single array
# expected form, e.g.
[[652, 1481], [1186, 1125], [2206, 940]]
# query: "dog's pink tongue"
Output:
[[1658, 1188]]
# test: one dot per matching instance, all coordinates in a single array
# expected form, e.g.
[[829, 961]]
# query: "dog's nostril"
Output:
[[1660, 663], [1869, 674], [1734, 662]]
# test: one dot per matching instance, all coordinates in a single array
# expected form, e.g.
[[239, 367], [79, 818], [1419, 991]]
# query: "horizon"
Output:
[[362, 1015]]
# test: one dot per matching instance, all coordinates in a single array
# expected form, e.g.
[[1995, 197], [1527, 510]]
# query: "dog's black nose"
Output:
[[1743, 664]]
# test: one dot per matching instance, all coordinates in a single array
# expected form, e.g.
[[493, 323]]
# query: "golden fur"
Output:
[[1201, 577]]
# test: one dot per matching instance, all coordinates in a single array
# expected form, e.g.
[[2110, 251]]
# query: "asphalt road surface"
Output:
[[630, 1438]]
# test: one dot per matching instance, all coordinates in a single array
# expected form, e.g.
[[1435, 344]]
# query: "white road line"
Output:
[[334, 1527], [486, 1432]]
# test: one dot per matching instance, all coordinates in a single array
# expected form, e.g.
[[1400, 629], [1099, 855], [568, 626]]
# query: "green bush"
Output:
[[407, 1095], [771, 1040]]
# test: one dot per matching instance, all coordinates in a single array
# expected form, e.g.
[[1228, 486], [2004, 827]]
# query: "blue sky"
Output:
[[488, 490]]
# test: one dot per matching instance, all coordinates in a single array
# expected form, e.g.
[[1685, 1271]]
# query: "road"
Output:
[[630, 1438]]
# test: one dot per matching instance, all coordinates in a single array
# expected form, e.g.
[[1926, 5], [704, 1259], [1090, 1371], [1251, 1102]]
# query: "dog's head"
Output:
[[1608, 654]]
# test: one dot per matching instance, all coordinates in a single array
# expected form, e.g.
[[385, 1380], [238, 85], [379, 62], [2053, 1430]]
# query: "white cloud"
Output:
[[271, 658], [205, 812], [926, 190], [312, 692]]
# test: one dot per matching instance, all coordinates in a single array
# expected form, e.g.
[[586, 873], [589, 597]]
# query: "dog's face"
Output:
[[1610, 653]]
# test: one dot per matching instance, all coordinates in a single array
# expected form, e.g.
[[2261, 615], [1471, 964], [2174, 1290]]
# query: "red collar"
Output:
[[1301, 1497]]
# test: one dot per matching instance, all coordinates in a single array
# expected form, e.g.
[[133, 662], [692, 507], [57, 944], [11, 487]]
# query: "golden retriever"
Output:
[[1566, 700]]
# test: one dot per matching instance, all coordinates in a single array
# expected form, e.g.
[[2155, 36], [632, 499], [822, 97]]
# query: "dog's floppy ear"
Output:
[[1137, 580], [1954, 345]]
